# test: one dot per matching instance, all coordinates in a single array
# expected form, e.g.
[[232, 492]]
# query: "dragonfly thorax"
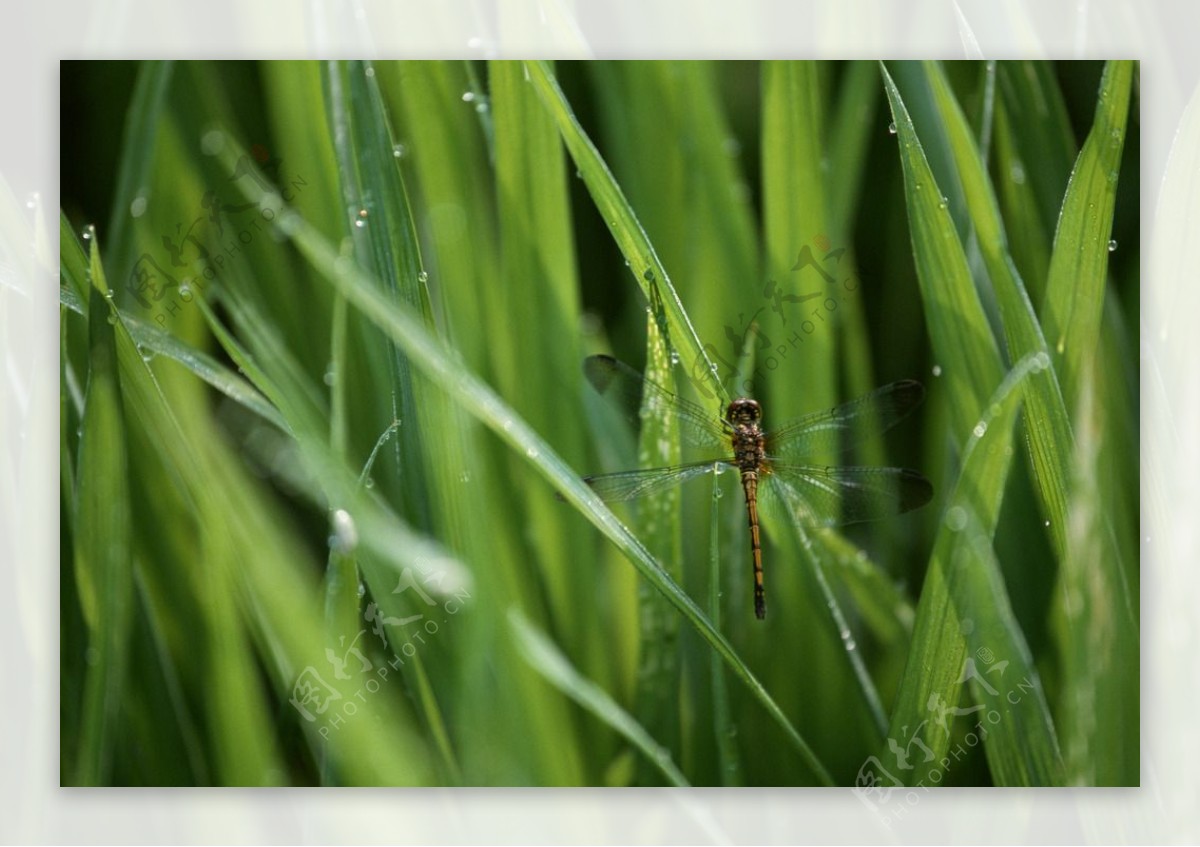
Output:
[[744, 412]]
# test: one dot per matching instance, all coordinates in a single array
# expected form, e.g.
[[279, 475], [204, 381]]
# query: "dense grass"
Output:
[[310, 531]]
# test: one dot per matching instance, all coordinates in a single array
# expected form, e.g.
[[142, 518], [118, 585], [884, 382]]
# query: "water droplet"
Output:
[[1047, 523], [937, 370], [138, 207], [185, 291], [943, 202], [674, 357], [1042, 360], [1016, 172], [112, 319], [966, 626], [1061, 346], [212, 142], [398, 150], [422, 277], [464, 477], [956, 518], [345, 533], [892, 128], [481, 106], [918, 186], [508, 425], [362, 589], [370, 72], [532, 452], [468, 96], [87, 233], [980, 429], [648, 274], [1112, 245], [370, 482], [330, 375]]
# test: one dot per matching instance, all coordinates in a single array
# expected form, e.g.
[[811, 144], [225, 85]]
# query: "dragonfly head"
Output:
[[743, 412]]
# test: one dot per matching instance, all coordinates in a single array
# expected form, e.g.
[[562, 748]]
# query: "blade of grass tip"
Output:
[[134, 168], [854, 119], [963, 343], [953, 601], [104, 541], [480, 401], [152, 340], [627, 232], [541, 654], [724, 729], [72, 263], [378, 220], [1047, 424], [1075, 285]]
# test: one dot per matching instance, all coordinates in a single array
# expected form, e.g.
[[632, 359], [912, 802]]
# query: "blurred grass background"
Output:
[[322, 329]]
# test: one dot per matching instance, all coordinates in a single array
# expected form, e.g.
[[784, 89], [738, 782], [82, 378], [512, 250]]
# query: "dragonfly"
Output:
[[780, 469]]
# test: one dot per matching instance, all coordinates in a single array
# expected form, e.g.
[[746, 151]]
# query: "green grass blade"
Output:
[[133, 171], [1047, 423], [1075, 286], [483, 403], [155, 342], [794, 216], [1097, 641], [546, 659], [73, 263], [963, 610], [963, 343], [660, 518], [724, 729], [104, 545], [626, 230]]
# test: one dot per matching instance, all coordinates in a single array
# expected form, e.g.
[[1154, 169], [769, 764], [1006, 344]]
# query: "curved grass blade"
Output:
[[963, 610], [1047, 423], [962, 340], [137, 157], [1075, 286], [544, 657], [481, 402], [627, 231]]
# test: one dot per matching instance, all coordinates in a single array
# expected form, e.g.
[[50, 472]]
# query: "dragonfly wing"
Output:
[[832, 496], [630, 485], [835, 430], [626, 389]]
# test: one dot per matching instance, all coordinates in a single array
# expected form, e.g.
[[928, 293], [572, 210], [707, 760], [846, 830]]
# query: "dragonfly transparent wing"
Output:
[[832, 496], [625, 388], [834, 430], [629, 485]]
